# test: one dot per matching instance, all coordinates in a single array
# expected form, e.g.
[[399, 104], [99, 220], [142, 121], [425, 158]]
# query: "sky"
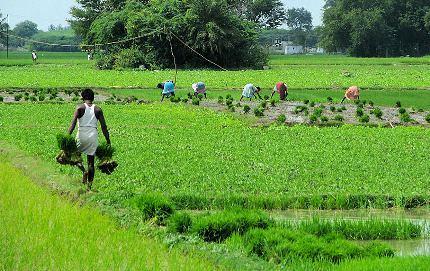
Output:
[[47, 12]]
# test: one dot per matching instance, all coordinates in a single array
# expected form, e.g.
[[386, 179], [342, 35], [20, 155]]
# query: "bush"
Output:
[[105, 61], [398, 104], [364, 118], [129, 58], [273, 102], [220, 99], [281, 119], [18, 97], [338, 118], [359, 112], [219, 226], [324, 118], [246, 109], [306, 101], [377, 112], [196, 101], [180, 223], [259, 112], [154, 206], [329, 99]]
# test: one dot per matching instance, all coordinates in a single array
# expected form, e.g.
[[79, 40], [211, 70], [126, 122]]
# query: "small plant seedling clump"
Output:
[[364, 118], [405, 117], [196, 101], [428, 118], [371, 103], [359, 112], [329, 99], [377, 112], [313, 118], [339, 110], [18, 97], [324, 118], [1, 99], [266, 97], [185, 100], [263, 104], [190, 95], [402, 110], [154, 207], [180, 223], [300, 109], [312, 104], [306, 101], [259, 112], [104, 154], [338, 118], [69, 154], [200, 96], [281, 119], [318, 112], [343, 108], [332, 109], [221, 100], [246, 109], [398, 104], [273, 102], [175, 99]]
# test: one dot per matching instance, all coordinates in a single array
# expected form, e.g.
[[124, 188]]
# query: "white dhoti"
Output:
[[87, 140]]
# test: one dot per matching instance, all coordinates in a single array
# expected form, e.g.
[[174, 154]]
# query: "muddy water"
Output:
[[403, 248]]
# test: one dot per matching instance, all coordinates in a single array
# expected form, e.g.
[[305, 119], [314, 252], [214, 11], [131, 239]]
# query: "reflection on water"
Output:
[[403, 248]]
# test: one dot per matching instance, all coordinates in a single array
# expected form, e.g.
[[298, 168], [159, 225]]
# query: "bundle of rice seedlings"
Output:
[[69, 154], [104, 154]]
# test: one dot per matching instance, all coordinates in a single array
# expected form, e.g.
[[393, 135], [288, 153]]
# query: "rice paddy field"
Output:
[[212, 190]]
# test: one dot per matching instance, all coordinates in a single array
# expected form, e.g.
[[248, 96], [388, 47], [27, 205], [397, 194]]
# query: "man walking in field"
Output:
[[87, 115], [34, 56]]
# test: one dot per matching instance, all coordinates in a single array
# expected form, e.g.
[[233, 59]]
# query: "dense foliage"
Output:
[[377, 28]]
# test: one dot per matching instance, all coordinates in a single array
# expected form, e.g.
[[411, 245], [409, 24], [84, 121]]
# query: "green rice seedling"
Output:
[[154, 207], [420, 110], [324, 118], [196, 101], [398, 104], [18, 97], [312, 104], [344, 108], [329, 99], [259, 112], [219, 226], [363, 102], [238, 105], [68, 92], [318, 112], [266, 97], [306, 101], [232, 108], [359, 112], [69, 154], [322, 106], [228, 97], [364, 118], [229, 102], [339, 110], [338, 118], [273, 102], [180, 223], [402, 110], [246, 109], [33, 99], [300, 109], [313, 118], [281, 119], [74, 99], [185, 100], [332, 109], [105, 151], [377, 112], [1, 99], [405, 117], [190, 95], [428, 118], [371, 103], [263, 104], [221, 100], [200, 96]]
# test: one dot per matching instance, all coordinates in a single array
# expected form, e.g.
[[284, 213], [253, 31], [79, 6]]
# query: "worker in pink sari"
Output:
[[352, 93]]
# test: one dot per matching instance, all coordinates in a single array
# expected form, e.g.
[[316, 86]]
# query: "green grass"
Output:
[[194, 155], [24, 58], [41, 231]]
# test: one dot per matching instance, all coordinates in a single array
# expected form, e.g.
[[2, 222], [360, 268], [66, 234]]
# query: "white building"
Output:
[[293, 49]]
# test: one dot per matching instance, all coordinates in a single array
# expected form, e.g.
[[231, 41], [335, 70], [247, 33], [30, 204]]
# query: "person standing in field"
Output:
[[352, 93], [249, 91], [168, 89], [34, 56], [87, 115], [199, 88], [282, 89]]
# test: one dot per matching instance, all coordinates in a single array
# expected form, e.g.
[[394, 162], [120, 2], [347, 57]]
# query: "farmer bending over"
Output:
[[282, 89], [199, 88], [168, 89], [87, 115], [249, 91], [352, 93]]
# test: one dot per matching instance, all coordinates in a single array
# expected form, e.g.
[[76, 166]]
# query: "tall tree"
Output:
[[3, 27], [25, 29], [265, 13], [299, 19]]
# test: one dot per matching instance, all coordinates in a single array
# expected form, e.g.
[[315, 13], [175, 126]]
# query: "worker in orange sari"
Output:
[[352, 93]]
